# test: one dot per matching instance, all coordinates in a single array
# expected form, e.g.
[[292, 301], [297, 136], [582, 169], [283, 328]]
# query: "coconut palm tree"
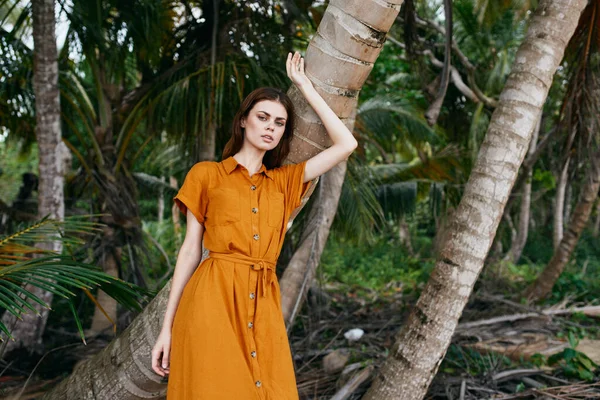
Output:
[[579, 121], [350, 62], [52, 158], [422, 342]]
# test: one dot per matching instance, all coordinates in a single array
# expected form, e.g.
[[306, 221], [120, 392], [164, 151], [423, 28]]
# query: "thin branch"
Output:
[[488, 101], [433, 112]]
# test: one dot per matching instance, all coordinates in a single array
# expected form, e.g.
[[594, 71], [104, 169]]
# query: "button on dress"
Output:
[[228, 340]]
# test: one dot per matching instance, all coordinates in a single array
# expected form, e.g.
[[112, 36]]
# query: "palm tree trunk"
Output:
[[338, 60], [544, 283], [422, 343], [52, 155], [123, 370], [518, 244], [559, 202], [207, 140]]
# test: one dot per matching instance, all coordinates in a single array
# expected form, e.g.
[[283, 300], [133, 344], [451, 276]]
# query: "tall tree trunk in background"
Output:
[[52, 156], [544, 283], [518, 244], [338, 60], [421, 344], [207, 140], [568, 198], [559, 203]]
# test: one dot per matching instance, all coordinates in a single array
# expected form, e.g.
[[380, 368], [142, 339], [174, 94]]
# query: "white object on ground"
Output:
[[354, 334]]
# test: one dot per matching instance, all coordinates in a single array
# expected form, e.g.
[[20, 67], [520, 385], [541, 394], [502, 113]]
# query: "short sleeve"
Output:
[[193, 193], [291, 178]]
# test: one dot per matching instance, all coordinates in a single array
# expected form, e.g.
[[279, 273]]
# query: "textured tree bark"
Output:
[[123, 369], [52, 156], [421, 344], [518, 244], [544, 283], [338, 60], [206, 143]]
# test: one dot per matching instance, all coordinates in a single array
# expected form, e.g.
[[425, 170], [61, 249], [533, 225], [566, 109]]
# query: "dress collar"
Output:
[[231, 163]]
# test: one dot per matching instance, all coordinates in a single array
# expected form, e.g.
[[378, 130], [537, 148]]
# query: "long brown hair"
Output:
[[273, 158]]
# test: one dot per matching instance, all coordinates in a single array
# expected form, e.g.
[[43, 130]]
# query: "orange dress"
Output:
[[228, 339]]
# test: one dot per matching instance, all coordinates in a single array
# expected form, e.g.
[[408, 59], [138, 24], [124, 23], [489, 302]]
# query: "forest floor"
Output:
[[501, 349]]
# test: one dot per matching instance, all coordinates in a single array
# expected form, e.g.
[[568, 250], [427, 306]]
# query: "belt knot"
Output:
[[258, 264]]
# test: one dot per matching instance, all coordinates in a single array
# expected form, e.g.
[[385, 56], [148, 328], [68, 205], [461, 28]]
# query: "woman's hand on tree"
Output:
[[295, 70], [160, 353]]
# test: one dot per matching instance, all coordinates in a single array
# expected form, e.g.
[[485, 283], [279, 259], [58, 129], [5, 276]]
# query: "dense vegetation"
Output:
[[142, 82]]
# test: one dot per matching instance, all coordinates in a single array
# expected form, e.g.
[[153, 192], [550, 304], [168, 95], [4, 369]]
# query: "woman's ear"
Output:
[[242, 123]]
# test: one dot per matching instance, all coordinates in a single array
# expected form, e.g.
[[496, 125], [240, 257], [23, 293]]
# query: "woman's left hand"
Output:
[[295, 70]]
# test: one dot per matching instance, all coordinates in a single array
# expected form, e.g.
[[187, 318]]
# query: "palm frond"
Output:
[[22, 264], [359, 214], [392, 121], [47, 230]]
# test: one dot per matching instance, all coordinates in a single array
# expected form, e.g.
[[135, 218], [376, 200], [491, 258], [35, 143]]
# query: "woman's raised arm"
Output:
[[344, 142]]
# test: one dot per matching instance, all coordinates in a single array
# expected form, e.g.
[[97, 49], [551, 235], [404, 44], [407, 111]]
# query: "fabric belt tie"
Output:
[[267, 266]]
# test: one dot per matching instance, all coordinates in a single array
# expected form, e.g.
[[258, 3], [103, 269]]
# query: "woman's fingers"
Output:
[[155, 363], [160, 360], [294, 66], [165, 357]]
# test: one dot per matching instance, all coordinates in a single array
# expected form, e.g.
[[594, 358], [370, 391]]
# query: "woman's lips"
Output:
[[267, 138]]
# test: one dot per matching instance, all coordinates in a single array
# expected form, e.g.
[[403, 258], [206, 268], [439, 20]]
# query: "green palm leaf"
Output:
[[22, 264]]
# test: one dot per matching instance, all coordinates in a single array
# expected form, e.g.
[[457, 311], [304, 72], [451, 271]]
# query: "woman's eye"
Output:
[[280, 124], [261, 118]]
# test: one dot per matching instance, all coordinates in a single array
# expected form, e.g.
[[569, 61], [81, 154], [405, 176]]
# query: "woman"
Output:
[[223, 334]]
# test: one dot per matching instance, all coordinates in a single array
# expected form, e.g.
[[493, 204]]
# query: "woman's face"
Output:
[[265, 124]]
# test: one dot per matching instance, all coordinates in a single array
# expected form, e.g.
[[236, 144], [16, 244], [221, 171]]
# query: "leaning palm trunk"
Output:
[[52, 154], [421, 344], [123, 370], [338, 60], [544, 283]]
